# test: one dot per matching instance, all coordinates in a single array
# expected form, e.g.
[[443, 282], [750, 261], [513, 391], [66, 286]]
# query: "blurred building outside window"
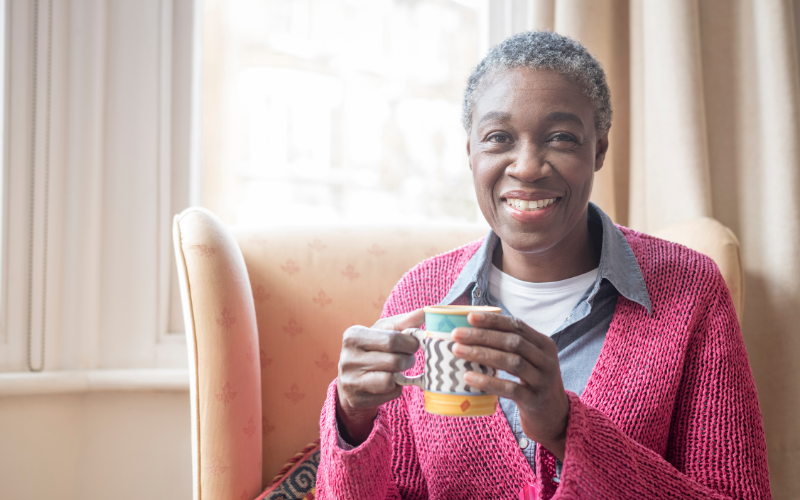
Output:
[[337, 111]]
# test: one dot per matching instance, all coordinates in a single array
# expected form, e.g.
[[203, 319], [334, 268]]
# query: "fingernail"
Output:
[[477, 315]]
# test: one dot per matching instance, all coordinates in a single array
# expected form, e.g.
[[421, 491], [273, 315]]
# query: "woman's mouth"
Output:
[[530, 206]]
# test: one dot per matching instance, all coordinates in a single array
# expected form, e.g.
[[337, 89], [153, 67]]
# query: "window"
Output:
[[101, 97], [3, 170], [323, 111]]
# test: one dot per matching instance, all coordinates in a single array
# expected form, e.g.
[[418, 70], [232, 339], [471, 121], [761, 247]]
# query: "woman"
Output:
[[641, 390]]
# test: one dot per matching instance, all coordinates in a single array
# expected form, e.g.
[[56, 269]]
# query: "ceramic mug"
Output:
[[446, 393]]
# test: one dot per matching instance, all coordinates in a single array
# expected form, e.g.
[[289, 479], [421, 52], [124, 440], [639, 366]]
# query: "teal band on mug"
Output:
[[447, 318]]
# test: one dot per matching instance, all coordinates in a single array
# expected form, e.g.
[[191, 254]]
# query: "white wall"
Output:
[[95, 446], [98, 148]]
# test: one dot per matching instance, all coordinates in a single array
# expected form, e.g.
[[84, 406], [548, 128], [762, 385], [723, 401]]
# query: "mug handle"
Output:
[[401, 379]]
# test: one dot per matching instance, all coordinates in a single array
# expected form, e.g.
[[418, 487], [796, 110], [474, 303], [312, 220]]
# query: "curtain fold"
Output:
[[769, 220], [676, 173], [706, 97], [541, 14]]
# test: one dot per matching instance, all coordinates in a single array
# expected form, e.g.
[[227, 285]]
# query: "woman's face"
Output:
[[533, 139]]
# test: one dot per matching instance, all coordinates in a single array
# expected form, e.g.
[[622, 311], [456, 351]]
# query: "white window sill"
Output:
[[60, 382]]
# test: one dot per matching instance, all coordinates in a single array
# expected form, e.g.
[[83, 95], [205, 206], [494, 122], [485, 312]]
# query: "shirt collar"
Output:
[[618, 265]]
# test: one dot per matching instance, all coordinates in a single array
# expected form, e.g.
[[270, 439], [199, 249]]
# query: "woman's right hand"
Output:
[[370, 358]]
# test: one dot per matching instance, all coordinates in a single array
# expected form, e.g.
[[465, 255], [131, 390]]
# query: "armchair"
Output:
[[264, 313]]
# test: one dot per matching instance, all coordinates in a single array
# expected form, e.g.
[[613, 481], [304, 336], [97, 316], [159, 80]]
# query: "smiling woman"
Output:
[[621, 370], [535, 140]]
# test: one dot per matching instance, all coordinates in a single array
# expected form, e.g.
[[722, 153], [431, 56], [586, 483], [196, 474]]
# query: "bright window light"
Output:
[[337, 111]]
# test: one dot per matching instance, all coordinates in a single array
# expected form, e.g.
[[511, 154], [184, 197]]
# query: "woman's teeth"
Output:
[[529, 206]]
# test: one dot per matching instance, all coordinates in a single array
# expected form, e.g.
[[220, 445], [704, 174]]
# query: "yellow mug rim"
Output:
[[461, 310]]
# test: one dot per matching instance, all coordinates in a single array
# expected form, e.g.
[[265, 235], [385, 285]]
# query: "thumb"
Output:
[[413, 319]]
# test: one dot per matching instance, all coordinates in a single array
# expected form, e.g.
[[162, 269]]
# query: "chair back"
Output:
[[309, 286], [273, 304]]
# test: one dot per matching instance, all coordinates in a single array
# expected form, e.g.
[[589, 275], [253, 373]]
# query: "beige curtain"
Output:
[[707, 123]]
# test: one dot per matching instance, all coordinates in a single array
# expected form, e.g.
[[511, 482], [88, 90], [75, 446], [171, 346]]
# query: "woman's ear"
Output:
[[600, 151], [469, 158]]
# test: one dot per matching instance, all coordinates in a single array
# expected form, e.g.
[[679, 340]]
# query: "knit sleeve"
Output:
[[716, 446], [385, 466], [382, 467]]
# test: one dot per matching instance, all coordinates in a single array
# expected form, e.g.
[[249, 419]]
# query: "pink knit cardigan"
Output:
[[670, 411]]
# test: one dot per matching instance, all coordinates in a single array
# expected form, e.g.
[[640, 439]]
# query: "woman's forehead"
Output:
[[525, 90]]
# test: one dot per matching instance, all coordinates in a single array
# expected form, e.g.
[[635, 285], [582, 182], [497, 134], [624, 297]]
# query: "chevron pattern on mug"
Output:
[[444, 372]]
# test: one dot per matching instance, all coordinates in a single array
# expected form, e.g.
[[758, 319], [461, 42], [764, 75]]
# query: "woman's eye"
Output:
[[562, 138], [499, 138]]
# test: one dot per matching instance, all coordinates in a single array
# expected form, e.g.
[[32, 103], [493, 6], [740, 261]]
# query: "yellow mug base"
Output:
[[459, 405]]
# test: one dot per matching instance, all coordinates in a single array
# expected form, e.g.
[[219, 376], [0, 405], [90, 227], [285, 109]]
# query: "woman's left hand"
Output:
[[508, 344]]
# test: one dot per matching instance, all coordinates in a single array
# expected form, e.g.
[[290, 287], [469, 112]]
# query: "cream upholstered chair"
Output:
[[265, 311]]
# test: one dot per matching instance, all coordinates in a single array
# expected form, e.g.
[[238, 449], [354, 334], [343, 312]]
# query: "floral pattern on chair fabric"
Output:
[[319, 283]]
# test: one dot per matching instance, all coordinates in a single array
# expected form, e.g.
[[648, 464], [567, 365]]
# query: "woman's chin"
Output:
[[526, 241], [529, 231]]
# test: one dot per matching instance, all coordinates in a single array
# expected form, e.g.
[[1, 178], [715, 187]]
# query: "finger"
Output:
[[370, 339], [502, 341], [413, 319], [493, 385], [373, 400], [362, 399], [377, 383], [376, 361], [493, 321], [360, 383], [500, 360]]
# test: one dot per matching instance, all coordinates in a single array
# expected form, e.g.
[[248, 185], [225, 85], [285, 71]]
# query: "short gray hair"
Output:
[[544, 50]]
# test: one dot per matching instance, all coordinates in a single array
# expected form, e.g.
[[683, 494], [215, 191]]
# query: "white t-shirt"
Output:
[[542, 306]]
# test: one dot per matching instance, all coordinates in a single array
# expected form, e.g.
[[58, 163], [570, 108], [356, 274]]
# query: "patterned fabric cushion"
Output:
[[298, 478]]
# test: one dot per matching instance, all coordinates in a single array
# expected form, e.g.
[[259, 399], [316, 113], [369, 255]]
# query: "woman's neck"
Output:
[[576, 254]]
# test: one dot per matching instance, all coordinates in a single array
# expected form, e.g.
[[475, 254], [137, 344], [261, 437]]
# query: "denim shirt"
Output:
[[580, 338]]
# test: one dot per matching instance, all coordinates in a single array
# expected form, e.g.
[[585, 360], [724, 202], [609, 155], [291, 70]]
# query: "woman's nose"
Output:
[[529, 164]]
